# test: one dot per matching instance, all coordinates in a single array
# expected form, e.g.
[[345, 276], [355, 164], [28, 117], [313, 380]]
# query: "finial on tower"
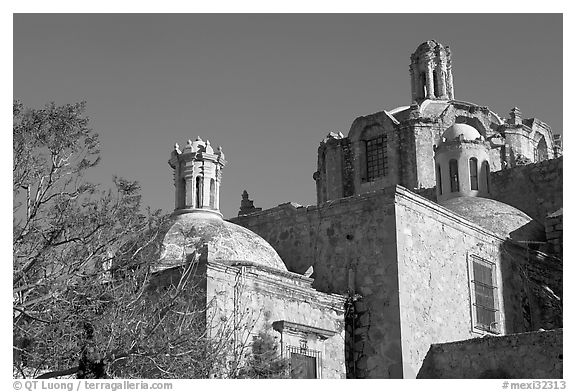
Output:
[[515, 116], [209, 149], [247, 205], [220, 153]]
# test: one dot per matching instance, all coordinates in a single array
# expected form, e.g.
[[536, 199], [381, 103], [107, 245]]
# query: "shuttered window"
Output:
[[484, 295]]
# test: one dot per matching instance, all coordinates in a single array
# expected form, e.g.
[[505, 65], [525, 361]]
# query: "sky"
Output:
[[266, 87]]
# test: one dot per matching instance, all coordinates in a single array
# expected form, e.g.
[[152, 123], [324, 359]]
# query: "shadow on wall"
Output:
[[532, 287], [533, 231]]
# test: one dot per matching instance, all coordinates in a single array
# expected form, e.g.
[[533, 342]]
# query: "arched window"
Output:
[[454, 185], [199, 192], [423, 84], [486, 172], [436, 84], [541, 152], [473, 174], [212, 194], [439, 179]]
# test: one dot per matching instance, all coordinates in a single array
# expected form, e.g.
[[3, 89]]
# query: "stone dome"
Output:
[[500, 218], [454, 131], [227, 242]]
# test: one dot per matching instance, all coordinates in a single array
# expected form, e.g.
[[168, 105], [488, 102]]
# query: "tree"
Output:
[[65, 231], [83, 302], [264, 359]]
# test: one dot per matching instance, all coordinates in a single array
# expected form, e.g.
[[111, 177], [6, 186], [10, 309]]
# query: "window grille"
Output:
[[484, 295], [376, 159], [304, 362]]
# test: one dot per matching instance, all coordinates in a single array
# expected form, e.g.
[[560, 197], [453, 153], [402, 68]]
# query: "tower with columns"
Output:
[[197, 176], [431, 72], [462, 163]]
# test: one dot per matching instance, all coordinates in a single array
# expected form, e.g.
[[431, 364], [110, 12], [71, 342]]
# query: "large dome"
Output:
[[227, 242], [454, 131], [502, 219]]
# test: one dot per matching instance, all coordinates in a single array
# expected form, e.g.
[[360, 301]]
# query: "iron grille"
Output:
[[304, 362], [376, 159]]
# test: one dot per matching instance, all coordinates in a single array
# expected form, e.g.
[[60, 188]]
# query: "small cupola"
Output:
[[462, 163], [197, 177], [431, 72]]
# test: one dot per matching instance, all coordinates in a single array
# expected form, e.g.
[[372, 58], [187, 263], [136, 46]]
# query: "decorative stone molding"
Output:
[[289, 327]]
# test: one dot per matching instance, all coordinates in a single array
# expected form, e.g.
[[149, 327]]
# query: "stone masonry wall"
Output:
[[533, 355], [247, 300], [554, 231], [351, 243], [434, 247], [535, 189], [404, 259]]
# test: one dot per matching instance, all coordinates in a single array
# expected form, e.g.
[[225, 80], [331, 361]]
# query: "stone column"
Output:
[[441, 81], [413, 83], [449, 83], [190, 192], [217, 191], [429, 81], [207, 170], [177, 186]]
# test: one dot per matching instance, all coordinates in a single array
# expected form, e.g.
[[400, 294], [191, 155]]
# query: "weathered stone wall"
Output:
[[523, 137], [409, 150], [368, 127], [418, 136], [425, 137], [434, 246], [479, 117], [335, 175], [554, 231], [519, 143], [351, 243], [408, 175], [333, 161], [290, 229], [247, 300], [407, 260], [535, 189], [533, 355]]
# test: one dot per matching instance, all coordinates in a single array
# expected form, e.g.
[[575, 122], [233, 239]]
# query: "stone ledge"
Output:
[[289, 326], [284, 282], [497, 339]]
